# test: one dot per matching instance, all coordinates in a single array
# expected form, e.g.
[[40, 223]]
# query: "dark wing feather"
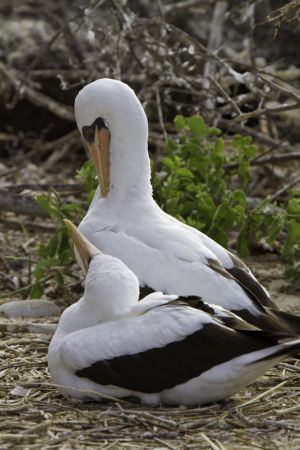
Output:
[[154, 370]]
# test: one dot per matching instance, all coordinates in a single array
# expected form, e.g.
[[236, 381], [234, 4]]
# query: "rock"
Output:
[[19, 391], [29, 308]]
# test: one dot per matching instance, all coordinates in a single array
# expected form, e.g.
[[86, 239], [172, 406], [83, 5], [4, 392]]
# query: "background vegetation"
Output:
[[229, 163]]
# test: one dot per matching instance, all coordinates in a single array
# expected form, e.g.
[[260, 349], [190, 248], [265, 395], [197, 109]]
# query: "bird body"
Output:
[[165, 254], [124, 220], [159, 350]]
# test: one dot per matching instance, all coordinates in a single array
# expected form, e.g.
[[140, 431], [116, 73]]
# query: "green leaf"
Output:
[[219, 147], [294, 206], [239, 197], [197, 125], [274, 229], [183, 172], [37, 291], [168, 162], [59, 278], [218, 234], [171, 145], [242, 243], [44, 264], [292, 238], [179, 122], [250, 151]]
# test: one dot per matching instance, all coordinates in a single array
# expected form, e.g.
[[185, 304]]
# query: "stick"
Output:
[[285, 188], [20, 204], [37, 98], [40, 328], [28, 225], [214, 42], [75, 187]]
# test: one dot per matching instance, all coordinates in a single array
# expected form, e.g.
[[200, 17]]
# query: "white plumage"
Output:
[[165, 254], [157, 350]]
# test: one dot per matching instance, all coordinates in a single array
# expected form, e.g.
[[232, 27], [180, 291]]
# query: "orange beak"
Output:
[[99, 151], [86, 250]]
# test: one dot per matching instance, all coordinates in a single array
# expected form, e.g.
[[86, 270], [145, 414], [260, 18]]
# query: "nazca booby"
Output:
[[158, 350], [124, 220]]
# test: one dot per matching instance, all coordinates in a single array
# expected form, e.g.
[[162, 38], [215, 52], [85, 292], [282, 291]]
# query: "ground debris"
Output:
[[35, 415]]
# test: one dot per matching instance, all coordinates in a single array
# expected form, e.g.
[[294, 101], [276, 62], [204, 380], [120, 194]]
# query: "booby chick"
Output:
[[158, 350], [124, 220]]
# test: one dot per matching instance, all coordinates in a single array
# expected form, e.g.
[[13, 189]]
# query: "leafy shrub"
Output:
[[195, 185], [57, 255]]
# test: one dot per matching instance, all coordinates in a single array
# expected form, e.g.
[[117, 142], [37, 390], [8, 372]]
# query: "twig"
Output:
[[261, 111], [39, 328], [277, 87], [74, 187], [210, 442], [260, 137], [214, 42], [28, 225], [225, 95], [285, 188], [261, 161], [72, 138], [20, 204], [37, 98], [175, 8], [263, 394], [289, 367], [56, 156], [26, 288], [159, 111]]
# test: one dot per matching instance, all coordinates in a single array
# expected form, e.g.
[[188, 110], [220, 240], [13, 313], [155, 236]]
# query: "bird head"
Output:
[[114, 128], [110, 286]]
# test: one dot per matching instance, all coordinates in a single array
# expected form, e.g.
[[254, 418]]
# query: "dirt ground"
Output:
[[34, 415]]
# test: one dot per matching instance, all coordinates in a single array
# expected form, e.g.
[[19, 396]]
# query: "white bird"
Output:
[[158, 350], [124, 220]]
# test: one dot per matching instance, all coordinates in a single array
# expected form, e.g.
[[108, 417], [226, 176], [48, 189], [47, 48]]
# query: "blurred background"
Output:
[[235, 63], [222, 59]]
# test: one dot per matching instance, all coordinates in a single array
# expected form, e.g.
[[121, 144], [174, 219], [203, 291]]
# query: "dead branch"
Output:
[[32, 226], [37, 98], [256, 135], [62, 188], [285, 188], [20, 204], [214, 42]]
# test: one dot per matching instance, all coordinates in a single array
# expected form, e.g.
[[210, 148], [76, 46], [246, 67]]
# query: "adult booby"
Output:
[[124, 220], [158, 350]]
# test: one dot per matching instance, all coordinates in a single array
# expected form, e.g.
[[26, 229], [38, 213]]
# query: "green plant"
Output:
[[196, 188], [57, 255], [196, 185]]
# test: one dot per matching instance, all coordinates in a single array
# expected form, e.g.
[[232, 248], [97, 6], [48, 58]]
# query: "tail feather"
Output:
[[290, 348], [291, 320]]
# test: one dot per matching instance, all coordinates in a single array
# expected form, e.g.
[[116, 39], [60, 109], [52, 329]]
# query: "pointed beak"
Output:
[[99, 151], [85, 249]]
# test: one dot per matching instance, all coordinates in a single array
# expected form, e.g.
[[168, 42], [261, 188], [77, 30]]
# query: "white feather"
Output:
[[164, 253]]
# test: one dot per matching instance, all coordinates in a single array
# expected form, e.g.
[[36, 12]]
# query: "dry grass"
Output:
[[34, 415]]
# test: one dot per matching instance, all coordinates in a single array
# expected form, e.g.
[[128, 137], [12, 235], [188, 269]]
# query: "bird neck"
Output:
[[130, 173], [83, 315], [74, 318]]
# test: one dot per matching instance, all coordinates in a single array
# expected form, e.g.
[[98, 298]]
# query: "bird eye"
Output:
[[100, 123]]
